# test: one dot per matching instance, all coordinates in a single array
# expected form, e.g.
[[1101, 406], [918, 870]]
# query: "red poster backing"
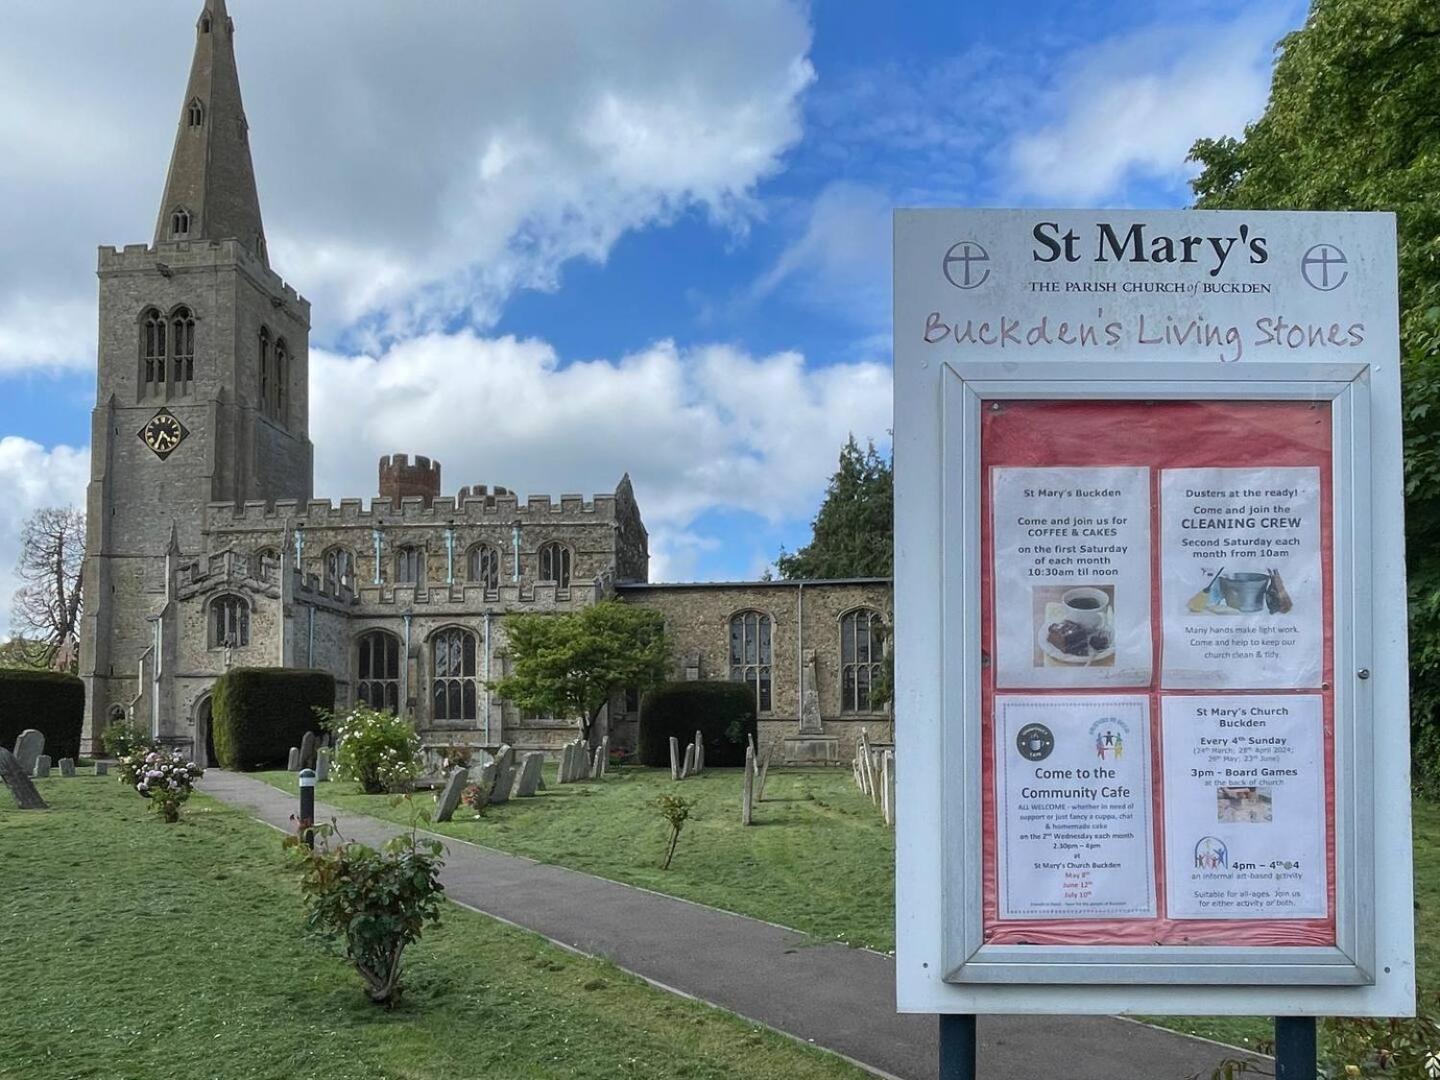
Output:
[[1161, 435]]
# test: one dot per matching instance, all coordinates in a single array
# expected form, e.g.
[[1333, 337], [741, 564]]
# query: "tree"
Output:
[[47, 605], [569, 665], [1353, 123], [21, 652], [853, 534]]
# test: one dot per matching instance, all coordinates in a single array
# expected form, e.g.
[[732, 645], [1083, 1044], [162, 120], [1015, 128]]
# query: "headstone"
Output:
[[504, 775], [307, 750], [562, 773], [747, 802], [484, 778], [687, 768], [14, 778], [674, 758], [29, 746], [67, 766], [887, 772], [450, 795], [102, 768], [322, 764], [764, 772], [293, 764], [530, 766], [699, 753], [42, 765], [597, 763], [604, 756]]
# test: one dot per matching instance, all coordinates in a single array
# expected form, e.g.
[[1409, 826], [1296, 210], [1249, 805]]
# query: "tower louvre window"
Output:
[[182, 340], [195, 113], [278, 376], [264, 368], [152, 349], [205, 23], [180, 224]]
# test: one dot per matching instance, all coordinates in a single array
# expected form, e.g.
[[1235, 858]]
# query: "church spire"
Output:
[[210, 191]]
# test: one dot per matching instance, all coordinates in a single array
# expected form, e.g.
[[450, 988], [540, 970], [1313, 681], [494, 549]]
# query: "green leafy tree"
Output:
[[1353, 124], [853, 535], [569, 665]]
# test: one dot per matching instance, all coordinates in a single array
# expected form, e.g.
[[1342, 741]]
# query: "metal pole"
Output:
[[307, 806], [957, 1046], [1295, 1048]]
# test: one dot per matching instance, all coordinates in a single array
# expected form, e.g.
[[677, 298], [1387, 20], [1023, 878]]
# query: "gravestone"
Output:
[[604, 756], [29, 746], [504, 775], [699, 753], [562, 772], [764, 772], [293, 764], [14, 778], [450, 795], [307, 750], [887, 773], [747, 801], [687, 767], [674, 758], [322, 764], [42, 766], [484, 779], [67, 766], [597, 763], [102, 768], [530, 767]]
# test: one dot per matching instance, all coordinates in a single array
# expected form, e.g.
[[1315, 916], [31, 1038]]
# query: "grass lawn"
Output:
[[819, 857], [135, 949]]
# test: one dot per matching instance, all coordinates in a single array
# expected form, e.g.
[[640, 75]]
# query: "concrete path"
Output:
[[836, 997]]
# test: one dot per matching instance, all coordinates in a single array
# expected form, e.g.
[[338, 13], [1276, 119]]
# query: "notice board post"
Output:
[[1151, 671]]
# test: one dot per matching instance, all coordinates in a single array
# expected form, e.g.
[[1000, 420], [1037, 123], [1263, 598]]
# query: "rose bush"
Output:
[[162, 776], [378, 750]]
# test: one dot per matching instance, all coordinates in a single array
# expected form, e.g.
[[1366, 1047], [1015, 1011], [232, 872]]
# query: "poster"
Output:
[[1243, 595], [1073, 822], [1245, 807], [1072, 576]]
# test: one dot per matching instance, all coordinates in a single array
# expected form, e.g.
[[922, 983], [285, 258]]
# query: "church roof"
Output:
[[210, 190]]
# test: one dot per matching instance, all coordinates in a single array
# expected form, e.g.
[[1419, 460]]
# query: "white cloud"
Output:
[[33, 477], [697, 429], [417, 162], [1132, 107]]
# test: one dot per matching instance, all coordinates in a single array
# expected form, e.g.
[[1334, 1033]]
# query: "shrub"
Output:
[[675, 809], [378, 901], [378, 750], [723, 713], [124, 737], [163, 777], [48, 701], [258, 714]]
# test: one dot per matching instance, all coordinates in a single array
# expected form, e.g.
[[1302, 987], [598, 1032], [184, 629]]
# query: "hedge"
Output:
[[258, 714], [723, 713], [48, 701]]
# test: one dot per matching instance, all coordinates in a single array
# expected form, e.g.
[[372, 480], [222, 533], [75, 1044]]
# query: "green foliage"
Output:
[[853, 535], [258, 714], [569, 665], [378, 902], [49, 702], [1351, 125], [162, 776], [723, 712], [675, 809], [377, 749], [124, 737]]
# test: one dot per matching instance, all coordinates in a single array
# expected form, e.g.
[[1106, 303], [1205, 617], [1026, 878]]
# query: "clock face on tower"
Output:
[[163, 433]]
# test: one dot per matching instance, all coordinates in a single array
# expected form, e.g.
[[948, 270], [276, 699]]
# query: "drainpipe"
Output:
[[155, 680], [800, 649], [379, 541], [405, 664], [310, 645], [515, 543], [450, 554], [487, 678]]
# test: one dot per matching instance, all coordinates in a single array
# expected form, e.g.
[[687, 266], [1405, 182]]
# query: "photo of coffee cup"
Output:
[[1244, 591], [1087, 606]]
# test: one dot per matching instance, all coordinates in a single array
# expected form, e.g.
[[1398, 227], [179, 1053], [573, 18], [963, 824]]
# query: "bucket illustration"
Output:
[[1244, 591]]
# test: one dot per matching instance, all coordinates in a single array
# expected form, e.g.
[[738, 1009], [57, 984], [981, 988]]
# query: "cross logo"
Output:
[[968, 255], [1322, 267]]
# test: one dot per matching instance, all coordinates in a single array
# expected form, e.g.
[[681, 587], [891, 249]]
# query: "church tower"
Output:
[[202, 389]]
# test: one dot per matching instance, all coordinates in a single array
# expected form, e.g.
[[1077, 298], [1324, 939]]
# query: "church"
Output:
[[206, 550]]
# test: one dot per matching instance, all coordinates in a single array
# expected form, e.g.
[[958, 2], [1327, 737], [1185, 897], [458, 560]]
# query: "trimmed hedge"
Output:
[[48, 701], [723, 712], [258, 714]]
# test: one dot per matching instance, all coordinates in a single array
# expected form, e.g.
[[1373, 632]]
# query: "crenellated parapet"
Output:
[[228, 569], [189, 256], [491, 509]]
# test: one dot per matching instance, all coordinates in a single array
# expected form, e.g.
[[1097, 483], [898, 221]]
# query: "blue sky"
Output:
[[549, 243]]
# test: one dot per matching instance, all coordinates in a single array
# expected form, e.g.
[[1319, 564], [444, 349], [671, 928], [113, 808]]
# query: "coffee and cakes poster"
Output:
[[1072, 576]]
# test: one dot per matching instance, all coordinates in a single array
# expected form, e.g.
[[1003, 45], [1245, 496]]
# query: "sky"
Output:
[[552, 242]]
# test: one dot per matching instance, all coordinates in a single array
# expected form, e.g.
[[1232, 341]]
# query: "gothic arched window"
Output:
[[195, 113], [152, 349], [409, 565], [180, 224], [229, 622], [378, 671], [264, 358], [750, 654], [453, 692], [861, 652], [264, 563], [205, 23], [339, 569], [277, 382], [483, 563], [182, 346], [555, 564]]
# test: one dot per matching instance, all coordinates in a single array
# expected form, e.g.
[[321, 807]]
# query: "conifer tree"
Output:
[[853, 532]]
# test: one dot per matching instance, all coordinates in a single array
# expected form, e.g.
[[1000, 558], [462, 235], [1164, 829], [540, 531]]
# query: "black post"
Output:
[[957, 1046], [307, 806], [1295, 1048]]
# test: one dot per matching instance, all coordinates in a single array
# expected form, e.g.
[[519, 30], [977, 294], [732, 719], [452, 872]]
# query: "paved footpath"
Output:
[[836, 997]]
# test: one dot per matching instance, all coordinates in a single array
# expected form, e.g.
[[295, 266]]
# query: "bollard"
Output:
[[307, 806]]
